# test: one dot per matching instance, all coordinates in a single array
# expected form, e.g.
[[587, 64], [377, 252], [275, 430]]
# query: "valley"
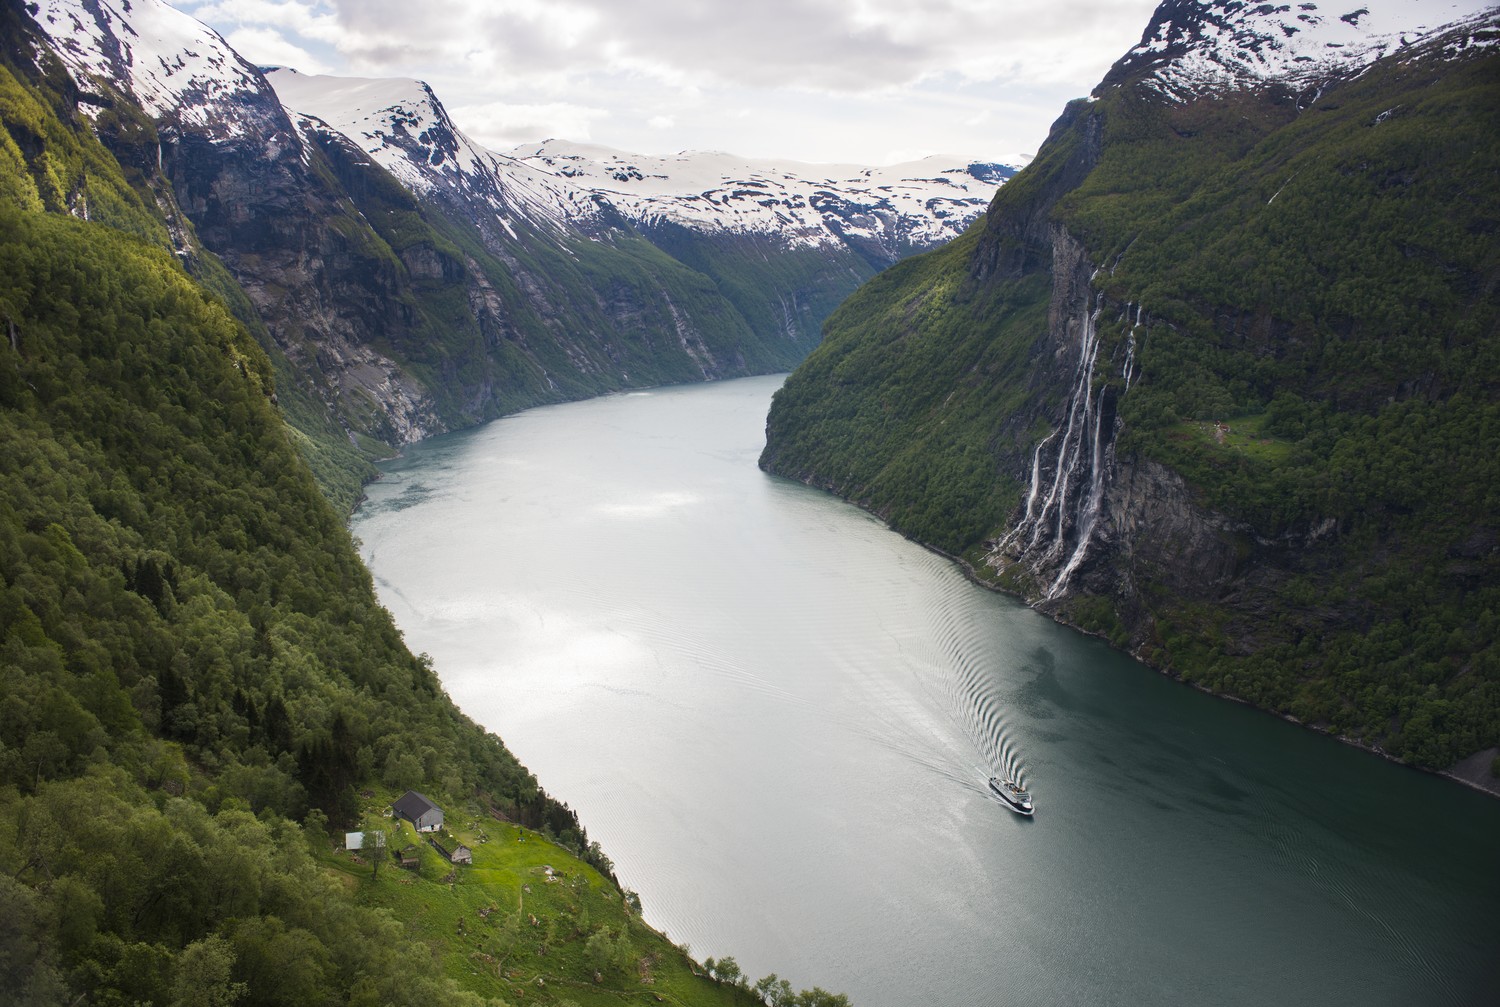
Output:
[[1212, 378]]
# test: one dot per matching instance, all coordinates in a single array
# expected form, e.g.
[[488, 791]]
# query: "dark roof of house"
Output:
[[413, 805]]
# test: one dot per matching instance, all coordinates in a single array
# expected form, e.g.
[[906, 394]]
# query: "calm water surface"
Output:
[[778, 718]]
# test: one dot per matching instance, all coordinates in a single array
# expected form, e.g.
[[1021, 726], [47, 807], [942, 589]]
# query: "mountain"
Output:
[[1215, 377], [201, 693], [1194, 50], [883, 213], [408, 281]]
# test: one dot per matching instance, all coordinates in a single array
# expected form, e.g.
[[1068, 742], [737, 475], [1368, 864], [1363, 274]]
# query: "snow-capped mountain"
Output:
[[1197, 47], [924, 202], [403, 125], [177, 68], [418, 282], [185, 75]]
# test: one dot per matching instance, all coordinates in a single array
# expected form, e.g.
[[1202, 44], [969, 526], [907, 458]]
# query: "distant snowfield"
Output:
[[182, 70], [401, 124]]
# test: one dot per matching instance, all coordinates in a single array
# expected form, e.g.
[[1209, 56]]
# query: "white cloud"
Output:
[[656, 72], [267, 47], [500, 125], [310, 20]]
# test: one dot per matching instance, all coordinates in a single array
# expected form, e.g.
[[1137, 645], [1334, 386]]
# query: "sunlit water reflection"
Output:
[[779, 719]]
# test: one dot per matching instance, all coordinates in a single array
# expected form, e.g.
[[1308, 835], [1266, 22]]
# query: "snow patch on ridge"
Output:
[[1209, 46], [175, 66], [403, 126], [927, 201], [398, 121]]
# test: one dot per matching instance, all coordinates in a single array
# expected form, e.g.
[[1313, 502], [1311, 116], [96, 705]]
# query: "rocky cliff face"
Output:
[[313, 269], [229, 164], [1092, 523]]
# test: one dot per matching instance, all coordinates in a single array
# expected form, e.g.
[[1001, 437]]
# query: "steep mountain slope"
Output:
[[402, 329], [192, 658], [1216, 377], [199, 689], [415, 282]]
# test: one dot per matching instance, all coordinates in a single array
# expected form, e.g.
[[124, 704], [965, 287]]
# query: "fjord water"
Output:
[[778, 718]]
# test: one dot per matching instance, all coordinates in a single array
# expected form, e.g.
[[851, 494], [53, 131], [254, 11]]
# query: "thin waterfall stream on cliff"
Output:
[[778, 718]]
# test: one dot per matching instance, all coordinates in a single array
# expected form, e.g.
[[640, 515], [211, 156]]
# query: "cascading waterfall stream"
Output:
[[1128, 371], [1036, 520], [1071, 507]]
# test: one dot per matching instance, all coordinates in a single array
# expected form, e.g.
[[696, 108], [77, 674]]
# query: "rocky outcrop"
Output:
[[1021, 240], [1155, 533]]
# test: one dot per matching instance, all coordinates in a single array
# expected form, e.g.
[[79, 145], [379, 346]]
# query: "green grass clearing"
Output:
[[527, 922]]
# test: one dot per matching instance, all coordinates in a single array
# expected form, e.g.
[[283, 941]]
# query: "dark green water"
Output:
[[778, 718]]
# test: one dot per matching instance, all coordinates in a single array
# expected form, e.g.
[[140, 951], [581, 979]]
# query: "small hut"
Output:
[[460, 854]]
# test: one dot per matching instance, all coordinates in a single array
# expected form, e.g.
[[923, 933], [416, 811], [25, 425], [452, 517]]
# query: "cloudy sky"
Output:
[[863, 81]]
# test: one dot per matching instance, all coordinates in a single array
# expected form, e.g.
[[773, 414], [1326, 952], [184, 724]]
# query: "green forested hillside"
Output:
[[192, 662], [198, 690], [1307, 296], [895, 410], [189, 638]]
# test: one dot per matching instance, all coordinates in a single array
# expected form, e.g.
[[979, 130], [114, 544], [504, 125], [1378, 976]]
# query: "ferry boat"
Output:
[[1013, 794]]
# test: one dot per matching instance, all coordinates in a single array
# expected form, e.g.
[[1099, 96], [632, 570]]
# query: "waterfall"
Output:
[[1089, 513], [1073, 461], [1036, 477], [1053, 512], [1127, 370], [1080, 405], [1029, 519]]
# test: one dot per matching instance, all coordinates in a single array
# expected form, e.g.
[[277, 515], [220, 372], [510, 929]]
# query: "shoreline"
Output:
[[1472, 771]]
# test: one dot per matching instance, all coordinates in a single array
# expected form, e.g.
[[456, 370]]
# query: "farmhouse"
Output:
[[417, 809]]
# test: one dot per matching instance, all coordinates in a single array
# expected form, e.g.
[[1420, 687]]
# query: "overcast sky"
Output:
[[862, 81]]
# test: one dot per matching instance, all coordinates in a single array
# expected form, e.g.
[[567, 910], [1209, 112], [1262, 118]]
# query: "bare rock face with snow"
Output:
[[1201, 47], [418, 281], [179, 70], [228, 158], [882, 212]]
